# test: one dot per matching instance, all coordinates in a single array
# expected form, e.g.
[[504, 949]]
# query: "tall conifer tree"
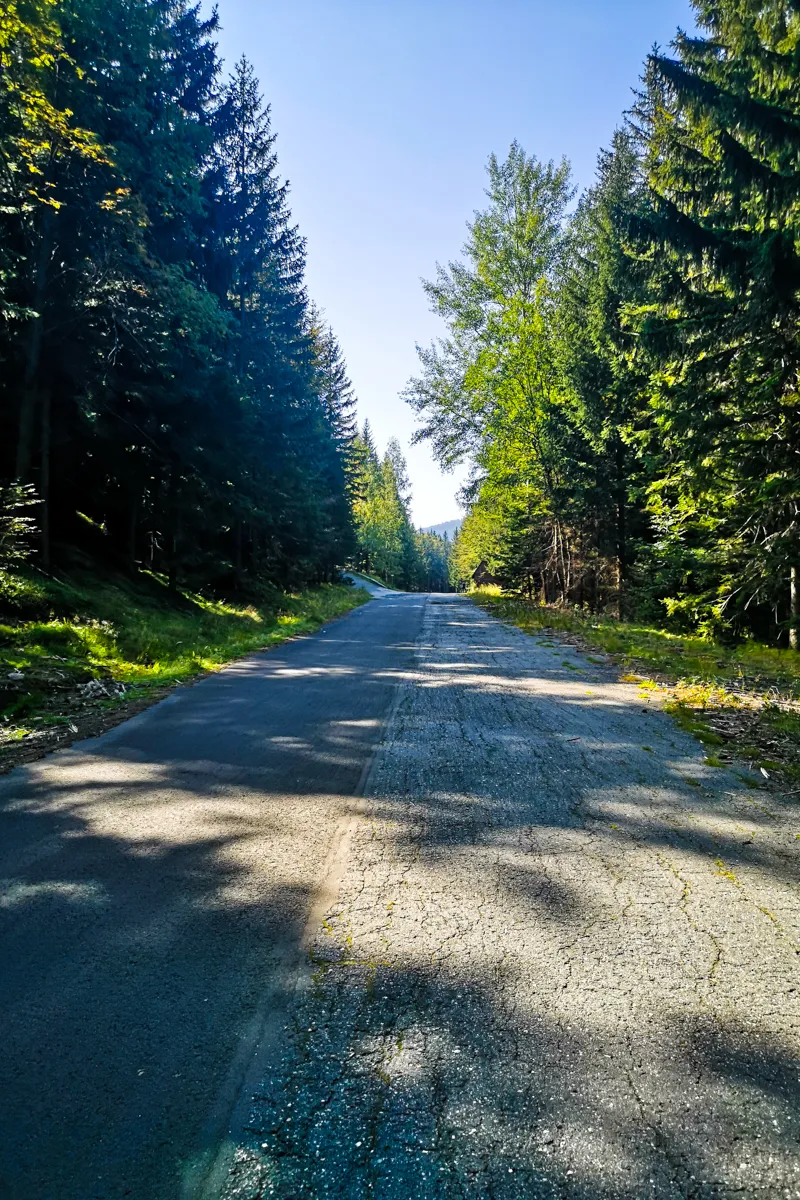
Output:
[[720, 121]]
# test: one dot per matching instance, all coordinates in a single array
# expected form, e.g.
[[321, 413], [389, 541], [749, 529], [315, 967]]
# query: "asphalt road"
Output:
[[154, 887], [562, 960], [549, 953]]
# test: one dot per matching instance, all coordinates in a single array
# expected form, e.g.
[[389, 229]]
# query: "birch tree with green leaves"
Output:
[[492, 390]]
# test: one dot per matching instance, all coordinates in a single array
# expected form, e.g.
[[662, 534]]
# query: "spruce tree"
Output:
[[602, 279], [720, 121], [161, 371]]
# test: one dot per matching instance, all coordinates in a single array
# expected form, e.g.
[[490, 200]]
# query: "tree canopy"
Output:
[[622, 372], [167, 387]]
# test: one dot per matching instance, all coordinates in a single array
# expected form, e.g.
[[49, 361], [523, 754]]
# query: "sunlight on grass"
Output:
[[136, 633], [740, 700], [647, 650]]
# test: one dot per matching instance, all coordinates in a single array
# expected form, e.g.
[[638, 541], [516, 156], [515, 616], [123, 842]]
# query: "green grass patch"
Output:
[[689, 720], [742, 697], [652, 651], [59, 634]]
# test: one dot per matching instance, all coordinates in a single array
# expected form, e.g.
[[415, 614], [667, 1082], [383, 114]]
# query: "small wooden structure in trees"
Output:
[[482, 576]]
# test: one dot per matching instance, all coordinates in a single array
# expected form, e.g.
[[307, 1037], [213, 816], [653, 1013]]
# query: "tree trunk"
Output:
[[153, 505], [237, 559], [27, 424], [134, 520], [33, 357], [794, 608], [44, 479], [172, 529], [622, 529]]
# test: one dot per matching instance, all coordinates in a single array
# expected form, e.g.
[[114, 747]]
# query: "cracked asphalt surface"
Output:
[[155, 884], [549, 951], [561, 960]]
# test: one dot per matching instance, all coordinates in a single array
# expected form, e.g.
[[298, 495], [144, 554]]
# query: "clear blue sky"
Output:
[[386, 111]]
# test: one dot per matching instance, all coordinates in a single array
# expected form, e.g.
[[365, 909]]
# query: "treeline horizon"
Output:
[[622, 371], [387, 544]]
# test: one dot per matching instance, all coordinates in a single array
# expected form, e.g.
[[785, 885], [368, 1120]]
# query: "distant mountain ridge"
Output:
[[445, 527]]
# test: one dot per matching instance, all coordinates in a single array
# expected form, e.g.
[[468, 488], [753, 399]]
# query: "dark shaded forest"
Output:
[[169, 396]]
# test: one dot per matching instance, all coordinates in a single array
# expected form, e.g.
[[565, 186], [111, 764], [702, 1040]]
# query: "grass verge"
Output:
[[79, 654], [741, 701]]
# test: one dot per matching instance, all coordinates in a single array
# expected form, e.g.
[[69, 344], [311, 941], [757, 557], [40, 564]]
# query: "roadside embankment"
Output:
[[80, 653], [741, 701]]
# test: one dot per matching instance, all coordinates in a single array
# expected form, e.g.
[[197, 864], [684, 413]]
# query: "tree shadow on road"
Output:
[[143, 925], [133, 970], [402, 1082], [154, 884], [547, 976]]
